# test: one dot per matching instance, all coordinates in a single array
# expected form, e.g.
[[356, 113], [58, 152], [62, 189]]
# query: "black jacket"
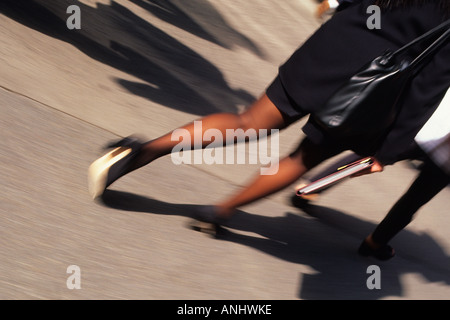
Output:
[[342, 45]]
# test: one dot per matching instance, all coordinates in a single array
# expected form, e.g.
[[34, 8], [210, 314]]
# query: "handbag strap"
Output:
[[419, 60]]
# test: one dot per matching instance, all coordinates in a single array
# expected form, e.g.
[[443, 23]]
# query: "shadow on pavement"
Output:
[[320, 240], [217, 31], [169, 72]]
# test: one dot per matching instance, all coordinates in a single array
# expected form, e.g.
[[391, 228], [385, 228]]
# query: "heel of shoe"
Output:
[[364, 249], [383, 253], [206, 220], [131, 142]]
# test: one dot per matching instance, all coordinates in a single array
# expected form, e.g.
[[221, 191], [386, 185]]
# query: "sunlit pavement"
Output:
[[139, 67]]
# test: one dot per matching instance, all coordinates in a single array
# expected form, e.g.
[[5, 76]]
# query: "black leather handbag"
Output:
[[365, 107]]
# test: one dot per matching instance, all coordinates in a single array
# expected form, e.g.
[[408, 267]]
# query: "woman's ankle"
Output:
[[145, 156], [224, 211]]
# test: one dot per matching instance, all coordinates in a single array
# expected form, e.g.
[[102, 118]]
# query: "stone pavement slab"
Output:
[[139, 68]]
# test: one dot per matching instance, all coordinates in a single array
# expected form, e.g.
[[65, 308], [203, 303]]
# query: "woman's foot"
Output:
[[113, 165], [302, 201], [208, 219], [381, 252]]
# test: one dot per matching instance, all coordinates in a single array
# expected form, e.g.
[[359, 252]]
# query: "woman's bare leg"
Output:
[[290, 169], [262, 114]]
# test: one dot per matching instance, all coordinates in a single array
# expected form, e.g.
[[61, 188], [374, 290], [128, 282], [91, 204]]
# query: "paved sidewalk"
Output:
[[139, 67]]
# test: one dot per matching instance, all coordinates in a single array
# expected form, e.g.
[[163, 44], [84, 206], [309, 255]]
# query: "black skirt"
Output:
[[341, 46]]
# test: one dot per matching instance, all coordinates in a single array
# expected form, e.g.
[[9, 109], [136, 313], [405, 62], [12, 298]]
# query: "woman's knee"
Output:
[[311, 154]]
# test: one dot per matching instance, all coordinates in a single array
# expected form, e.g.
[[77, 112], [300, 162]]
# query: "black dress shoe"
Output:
[[384, 252], [205, 220], [299, 202]]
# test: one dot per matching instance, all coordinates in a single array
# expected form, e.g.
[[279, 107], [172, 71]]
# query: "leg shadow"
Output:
[[415, 252], [319, 239], [205, 22], [170, 73]]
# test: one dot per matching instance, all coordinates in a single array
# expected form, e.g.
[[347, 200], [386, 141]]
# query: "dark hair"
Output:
[[388, 4]]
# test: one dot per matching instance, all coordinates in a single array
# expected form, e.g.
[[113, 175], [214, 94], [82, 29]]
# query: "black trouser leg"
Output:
[[430, 182]]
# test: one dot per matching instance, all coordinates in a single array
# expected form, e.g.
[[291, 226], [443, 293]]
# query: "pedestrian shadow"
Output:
[[167, 71], [415, 253], [326, 240], [218, 30]]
